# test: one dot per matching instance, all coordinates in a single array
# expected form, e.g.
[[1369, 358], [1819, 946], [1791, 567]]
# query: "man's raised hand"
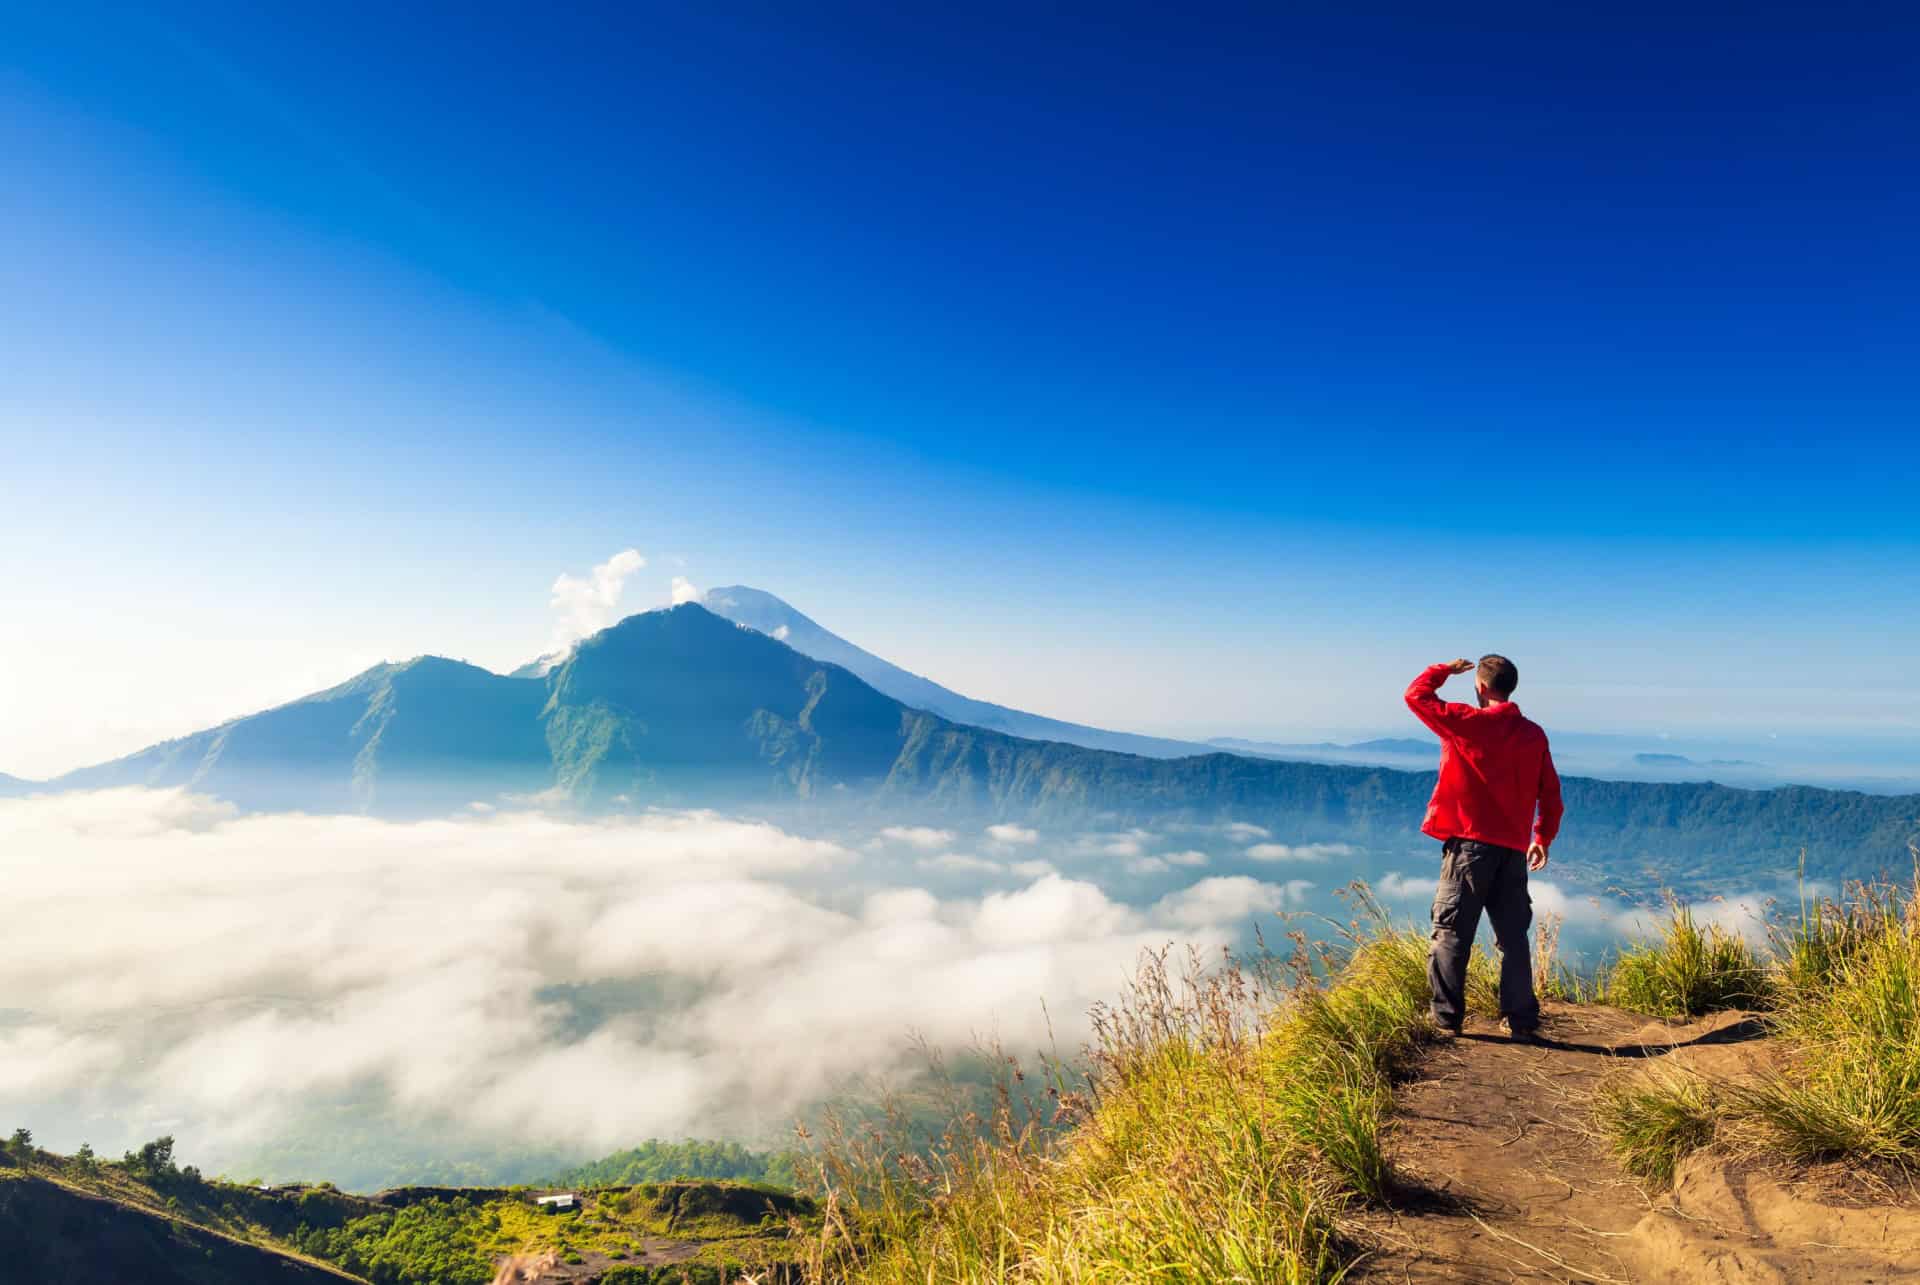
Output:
[[1459, 666], [1537, 856]]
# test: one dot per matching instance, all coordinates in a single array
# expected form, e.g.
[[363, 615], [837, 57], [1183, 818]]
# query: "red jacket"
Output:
[[1494, 768]]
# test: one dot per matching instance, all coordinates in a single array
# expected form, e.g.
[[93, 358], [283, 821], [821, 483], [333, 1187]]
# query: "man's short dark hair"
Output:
[[1499, 674]]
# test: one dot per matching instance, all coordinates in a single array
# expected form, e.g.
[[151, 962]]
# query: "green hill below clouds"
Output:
[[680, 707]]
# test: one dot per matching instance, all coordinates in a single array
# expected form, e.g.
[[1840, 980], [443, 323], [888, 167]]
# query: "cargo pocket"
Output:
[[1446, 909]]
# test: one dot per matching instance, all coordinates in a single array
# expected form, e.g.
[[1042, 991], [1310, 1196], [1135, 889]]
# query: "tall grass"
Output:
[[1842, 982], [1851, 1014], [1228, 1119], [1652, 1121], [1687, 970]]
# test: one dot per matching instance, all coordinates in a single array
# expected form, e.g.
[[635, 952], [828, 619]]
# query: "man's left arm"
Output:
[[1546, 826]]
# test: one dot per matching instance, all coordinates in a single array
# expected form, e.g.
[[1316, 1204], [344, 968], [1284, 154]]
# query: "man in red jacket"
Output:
[[1495, 771]]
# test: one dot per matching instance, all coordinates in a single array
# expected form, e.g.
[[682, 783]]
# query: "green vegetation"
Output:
[[1229, 1122], [729, 1228], [1687, 971], [658, 1161], [1652, 1121], [1852, 1017], [1843, 985], [437, 1242], [716, 1231]]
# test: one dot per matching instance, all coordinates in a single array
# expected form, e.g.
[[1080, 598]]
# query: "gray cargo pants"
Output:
[[1477, 876]]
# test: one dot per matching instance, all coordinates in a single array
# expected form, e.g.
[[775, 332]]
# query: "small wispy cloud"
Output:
[[918, 836], [960, 863], [684, 590], [1301, 851], [1010, 833]]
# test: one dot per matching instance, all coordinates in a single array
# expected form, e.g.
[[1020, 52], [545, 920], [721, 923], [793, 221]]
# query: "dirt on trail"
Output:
[[1505, 1179]]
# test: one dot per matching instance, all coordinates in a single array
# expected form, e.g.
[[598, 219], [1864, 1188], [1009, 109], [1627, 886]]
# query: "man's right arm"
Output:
[[1423, 698]]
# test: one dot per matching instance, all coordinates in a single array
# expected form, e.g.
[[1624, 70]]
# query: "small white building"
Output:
[[564, 1203]]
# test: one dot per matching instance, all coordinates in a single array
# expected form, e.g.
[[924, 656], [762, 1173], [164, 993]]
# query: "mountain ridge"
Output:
[[682, 708]]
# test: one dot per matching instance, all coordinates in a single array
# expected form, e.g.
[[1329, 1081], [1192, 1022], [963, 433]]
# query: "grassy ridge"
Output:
[[1229, 1122]]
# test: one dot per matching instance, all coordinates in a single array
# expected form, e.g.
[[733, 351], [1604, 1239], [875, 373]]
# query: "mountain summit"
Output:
[[758, 609]]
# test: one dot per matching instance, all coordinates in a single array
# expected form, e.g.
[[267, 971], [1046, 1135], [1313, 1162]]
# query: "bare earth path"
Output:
[[1507, 1183]]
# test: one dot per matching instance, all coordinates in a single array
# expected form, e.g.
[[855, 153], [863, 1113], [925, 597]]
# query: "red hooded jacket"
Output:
[[1495, 768]]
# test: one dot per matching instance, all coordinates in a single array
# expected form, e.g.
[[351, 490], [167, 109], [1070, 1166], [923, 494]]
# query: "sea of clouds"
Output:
[[577, 985], [581, 984]]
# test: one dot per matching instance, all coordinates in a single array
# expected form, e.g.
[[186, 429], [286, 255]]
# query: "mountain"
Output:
[[13, 785], [422, 736], [1681, 760], [757, 609], [680, 707]]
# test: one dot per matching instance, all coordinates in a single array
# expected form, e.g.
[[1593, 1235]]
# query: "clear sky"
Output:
[[1197, 370]]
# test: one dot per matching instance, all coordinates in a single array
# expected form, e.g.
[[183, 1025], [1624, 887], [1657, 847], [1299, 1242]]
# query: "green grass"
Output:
[[1226, 1130], [1652, 1121], [1842, 986], [1852, 1018], [1687, 971]]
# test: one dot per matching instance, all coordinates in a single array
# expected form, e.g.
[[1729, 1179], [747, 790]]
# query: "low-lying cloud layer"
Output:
[[170, 965]]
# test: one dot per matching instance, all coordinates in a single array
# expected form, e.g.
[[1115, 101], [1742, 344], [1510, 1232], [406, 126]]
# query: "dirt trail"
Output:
[[1506, 1182]]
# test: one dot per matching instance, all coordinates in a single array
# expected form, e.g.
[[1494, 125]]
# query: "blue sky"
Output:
[[1200, 372]]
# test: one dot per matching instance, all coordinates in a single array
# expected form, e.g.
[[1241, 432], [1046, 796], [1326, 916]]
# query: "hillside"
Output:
[[1699, 1111], [682, 708], [425, 735], [77, 1220], [760, 610]]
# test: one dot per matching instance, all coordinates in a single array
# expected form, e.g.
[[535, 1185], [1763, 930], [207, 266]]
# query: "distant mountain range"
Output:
[[1385, 749], [1682, 761], [757, 609], [680, 707]]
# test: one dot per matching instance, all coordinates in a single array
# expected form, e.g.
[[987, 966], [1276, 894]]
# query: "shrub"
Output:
[[1652, 1120], [1687, 971]]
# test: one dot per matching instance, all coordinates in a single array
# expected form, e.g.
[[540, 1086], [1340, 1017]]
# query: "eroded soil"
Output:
[[1505, 1179]]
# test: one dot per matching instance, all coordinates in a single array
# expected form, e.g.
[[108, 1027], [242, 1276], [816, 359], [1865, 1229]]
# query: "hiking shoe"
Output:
[[1527, 1035], [1445, 1034]]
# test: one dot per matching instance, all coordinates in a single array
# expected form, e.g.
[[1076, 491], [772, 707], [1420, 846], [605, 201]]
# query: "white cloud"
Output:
[[172, 966], [1242, 831], [960, 863], [1051, 908], [589, 603], [1399, 887], [1008, 833], [1229, 899], [684, 591], [782, 632], [918, 836], [1301, 851], [1191, 857]]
